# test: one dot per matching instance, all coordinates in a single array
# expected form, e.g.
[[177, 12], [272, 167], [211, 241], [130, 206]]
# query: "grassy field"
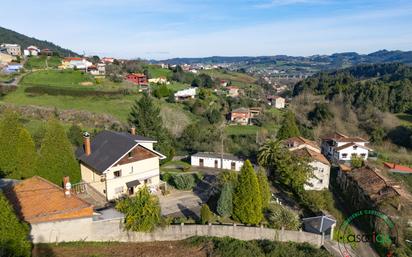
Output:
[[156, 71], [232, 76], [241, 130], [39, 62]]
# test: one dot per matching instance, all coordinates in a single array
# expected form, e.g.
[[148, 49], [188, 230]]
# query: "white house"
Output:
[[31, 51], [306, 148], [321, 168], [117, 164], [159, 80], [189, 93], [216, 161], [97, 70], [339, 147], [276, 101], [12, 49]]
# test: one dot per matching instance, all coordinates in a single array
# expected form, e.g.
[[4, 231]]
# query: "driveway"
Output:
[[188, 203]]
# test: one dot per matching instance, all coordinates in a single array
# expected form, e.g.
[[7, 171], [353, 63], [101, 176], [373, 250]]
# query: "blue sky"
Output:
[[162, 29]]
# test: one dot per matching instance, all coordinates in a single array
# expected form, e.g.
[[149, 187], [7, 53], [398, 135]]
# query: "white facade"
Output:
[[215, 162], [12, 49], [81, 64], [278, 102], [32, 51], [186, 93], [321, 172], [113, 186], [345, 148], [347, 153]]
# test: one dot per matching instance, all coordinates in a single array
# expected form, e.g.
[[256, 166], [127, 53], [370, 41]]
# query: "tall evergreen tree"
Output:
[[56, 158], [26, 155], [13, 233], [289, 127], [264, 187], [247, 202], [145, 116], [9, 134], [225, 202]]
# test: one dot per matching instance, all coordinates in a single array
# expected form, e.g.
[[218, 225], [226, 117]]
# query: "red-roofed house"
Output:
[[137, 78], [107, 60]]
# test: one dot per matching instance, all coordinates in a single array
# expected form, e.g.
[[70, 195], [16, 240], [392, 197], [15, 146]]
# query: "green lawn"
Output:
[[176, 86], [241, 130], [229, 75], [39, 62], [58, 78], [156, 71]]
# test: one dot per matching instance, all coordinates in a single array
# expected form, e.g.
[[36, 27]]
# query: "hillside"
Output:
[[12, 37]]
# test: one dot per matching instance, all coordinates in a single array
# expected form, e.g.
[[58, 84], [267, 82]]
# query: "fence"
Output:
[[112, 230]]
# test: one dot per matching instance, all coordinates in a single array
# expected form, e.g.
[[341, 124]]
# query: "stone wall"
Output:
[[112, 230]]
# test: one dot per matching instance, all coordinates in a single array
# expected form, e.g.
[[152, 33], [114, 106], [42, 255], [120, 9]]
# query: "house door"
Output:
[[216, 164], [131, 190], [233, 166], [201, 162]]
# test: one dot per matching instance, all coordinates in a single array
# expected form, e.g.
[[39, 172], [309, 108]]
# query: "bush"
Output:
[[183, 181], [206, 215], [356, 162], [279, 216], [142, 212]]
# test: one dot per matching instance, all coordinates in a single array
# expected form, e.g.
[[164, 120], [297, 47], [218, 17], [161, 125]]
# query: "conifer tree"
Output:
[[56, 158], [13, 233], [9, 134], [264, 187], [26, 156], [225, 203], [289, 127], [247, 200]]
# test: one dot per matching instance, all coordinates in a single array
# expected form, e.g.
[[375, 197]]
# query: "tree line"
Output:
[[20, 158]]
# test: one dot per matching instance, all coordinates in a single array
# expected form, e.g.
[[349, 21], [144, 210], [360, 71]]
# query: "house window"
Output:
[[363, 155], [117, 174], [233, 165], [344, 155], [321, 181], [355, 147], [148, 181]]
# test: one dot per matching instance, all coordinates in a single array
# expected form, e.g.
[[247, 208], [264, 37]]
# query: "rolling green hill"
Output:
[[12, 37]]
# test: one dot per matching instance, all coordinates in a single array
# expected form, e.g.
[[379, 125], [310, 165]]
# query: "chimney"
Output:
[[86, 143], [133, 131], [67, 186]]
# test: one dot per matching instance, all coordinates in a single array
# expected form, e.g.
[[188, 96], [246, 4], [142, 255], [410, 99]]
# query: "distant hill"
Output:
[[12, 37], [324, 62]]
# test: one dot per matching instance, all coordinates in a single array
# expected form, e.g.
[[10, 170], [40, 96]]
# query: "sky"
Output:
[[161, 29]]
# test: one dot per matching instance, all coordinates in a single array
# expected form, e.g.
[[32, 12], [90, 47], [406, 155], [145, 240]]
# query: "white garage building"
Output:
[[214, 160]]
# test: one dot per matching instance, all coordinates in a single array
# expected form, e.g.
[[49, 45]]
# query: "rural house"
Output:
[[232, 91], [189, 93], [137, 78], [240, 116], [306, 148], [31, 51], [12, 49], [341, 148], [276, 101], [216, 161], [75, 62], [117, 163]]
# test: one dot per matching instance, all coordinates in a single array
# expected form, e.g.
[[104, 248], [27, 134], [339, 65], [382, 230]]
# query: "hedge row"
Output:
[[45, 90]]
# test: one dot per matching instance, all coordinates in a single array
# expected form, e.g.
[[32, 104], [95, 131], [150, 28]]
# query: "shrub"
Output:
[[356, 162], [206, 215], [142, 212], [279, 216], [183, 181]]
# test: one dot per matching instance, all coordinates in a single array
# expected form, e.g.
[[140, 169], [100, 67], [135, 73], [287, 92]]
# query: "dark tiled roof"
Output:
[[217, 155], [320, 223], [107, 148]]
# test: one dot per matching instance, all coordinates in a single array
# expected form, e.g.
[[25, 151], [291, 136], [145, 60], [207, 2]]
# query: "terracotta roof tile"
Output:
[[38, 200], [305, 152]]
